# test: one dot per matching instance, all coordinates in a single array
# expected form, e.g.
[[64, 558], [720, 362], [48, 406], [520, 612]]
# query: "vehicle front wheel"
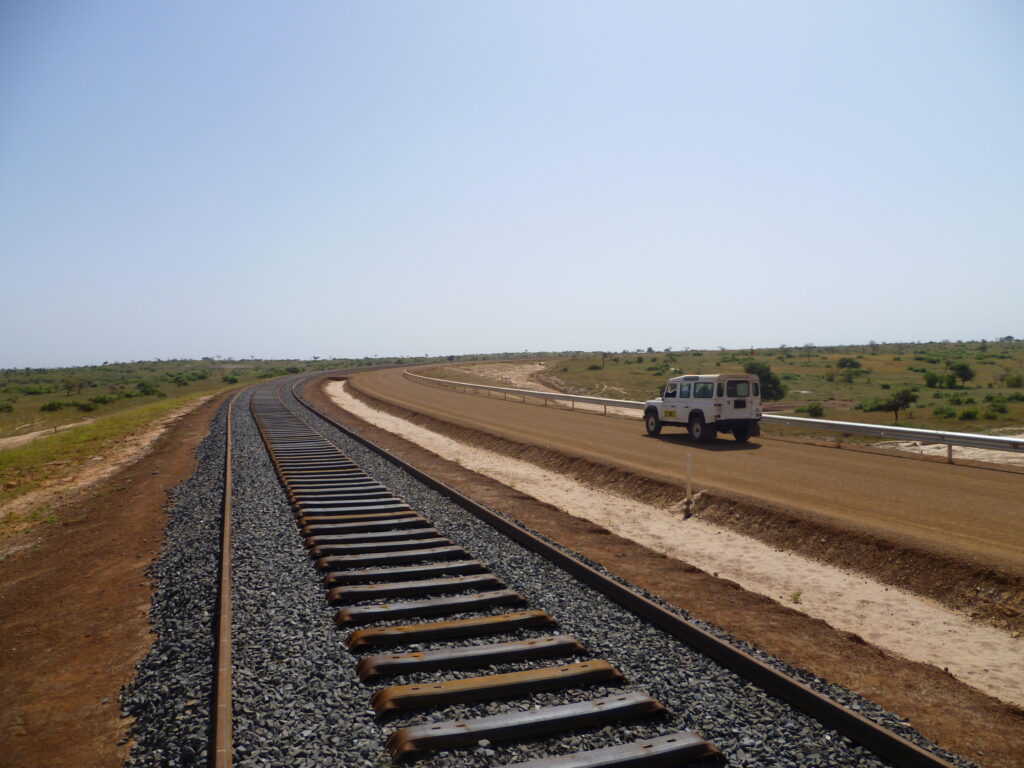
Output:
[[653, 423], [700, 431], [742, 434]]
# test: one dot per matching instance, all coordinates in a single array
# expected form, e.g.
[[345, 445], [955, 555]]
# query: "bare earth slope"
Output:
[[74, 607]]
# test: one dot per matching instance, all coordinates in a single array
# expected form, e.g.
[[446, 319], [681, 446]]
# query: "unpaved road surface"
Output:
[[971, 511]]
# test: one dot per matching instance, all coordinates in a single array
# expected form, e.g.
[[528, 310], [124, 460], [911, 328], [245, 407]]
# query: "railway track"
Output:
[[379, 615]]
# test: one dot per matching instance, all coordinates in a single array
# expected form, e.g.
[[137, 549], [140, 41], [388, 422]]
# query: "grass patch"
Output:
[[27, 467]]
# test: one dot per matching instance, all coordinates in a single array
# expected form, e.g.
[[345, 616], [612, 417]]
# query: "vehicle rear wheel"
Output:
[[742, 434], [700, 431], [652, 423]]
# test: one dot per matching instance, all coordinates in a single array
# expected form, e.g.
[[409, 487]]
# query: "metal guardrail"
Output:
[[933, 436], [607, 402], [927, 436]]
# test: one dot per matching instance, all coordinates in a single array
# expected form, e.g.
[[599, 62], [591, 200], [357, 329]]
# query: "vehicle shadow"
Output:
[[722, 444]]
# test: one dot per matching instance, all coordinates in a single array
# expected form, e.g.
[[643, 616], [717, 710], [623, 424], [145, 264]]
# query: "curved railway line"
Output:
[[375, 609]]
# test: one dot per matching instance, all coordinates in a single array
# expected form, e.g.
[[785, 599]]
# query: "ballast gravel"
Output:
[[299, 703], [171, 694]]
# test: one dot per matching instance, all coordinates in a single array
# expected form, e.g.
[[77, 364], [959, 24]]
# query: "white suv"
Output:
[[708, 404]]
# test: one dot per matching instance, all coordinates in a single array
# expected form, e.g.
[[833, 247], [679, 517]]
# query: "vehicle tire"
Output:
[[652, 423], [742, 434], [700, 431]]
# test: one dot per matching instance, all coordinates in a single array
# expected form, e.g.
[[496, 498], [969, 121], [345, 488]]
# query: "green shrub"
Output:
[[594, 367], [147, 389], [943, 412], [847, 362], [229, 379], [874, 404], [53, 405], [886, 386], [968, 414], [6, 407], [36, 389], [815, 410], [771, 387], [1015, 381]]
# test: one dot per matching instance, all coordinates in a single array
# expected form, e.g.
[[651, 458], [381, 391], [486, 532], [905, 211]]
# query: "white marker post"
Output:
[[688, 509]]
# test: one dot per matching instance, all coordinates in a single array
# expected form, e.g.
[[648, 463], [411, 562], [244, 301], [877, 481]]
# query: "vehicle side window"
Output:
[[737, 388], [757, 389], [704, 389], [670, 390], [684, 390], [721, 389]]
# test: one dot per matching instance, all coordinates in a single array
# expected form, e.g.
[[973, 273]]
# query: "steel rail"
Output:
[[223, 742], [858, 728], [938, 437]]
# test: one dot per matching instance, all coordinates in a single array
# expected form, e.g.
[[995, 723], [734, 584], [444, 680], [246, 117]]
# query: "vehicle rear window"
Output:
[[704, 389], [738, 388], [757, 389]]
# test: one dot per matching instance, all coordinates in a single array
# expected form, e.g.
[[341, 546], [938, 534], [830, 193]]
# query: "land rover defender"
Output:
[[708, 404]]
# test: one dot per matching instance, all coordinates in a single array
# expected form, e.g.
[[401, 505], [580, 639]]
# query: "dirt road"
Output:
[[966, 510]]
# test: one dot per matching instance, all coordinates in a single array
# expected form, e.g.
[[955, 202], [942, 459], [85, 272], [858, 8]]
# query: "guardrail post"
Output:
[[949, 453]]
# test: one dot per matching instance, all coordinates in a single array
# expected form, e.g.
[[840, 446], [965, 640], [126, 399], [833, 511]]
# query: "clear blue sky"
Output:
[[180, 179]]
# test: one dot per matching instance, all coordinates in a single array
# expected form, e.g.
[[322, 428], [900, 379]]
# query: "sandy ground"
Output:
[[985, 658], [522, 376], [130, 449], [28, 437], [515, 375], [972, 454]]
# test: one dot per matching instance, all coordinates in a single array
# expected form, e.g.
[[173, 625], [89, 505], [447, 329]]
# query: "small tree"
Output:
[[772, 387], [962, 371], [931, 379], [847, 362], [900, 401]]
